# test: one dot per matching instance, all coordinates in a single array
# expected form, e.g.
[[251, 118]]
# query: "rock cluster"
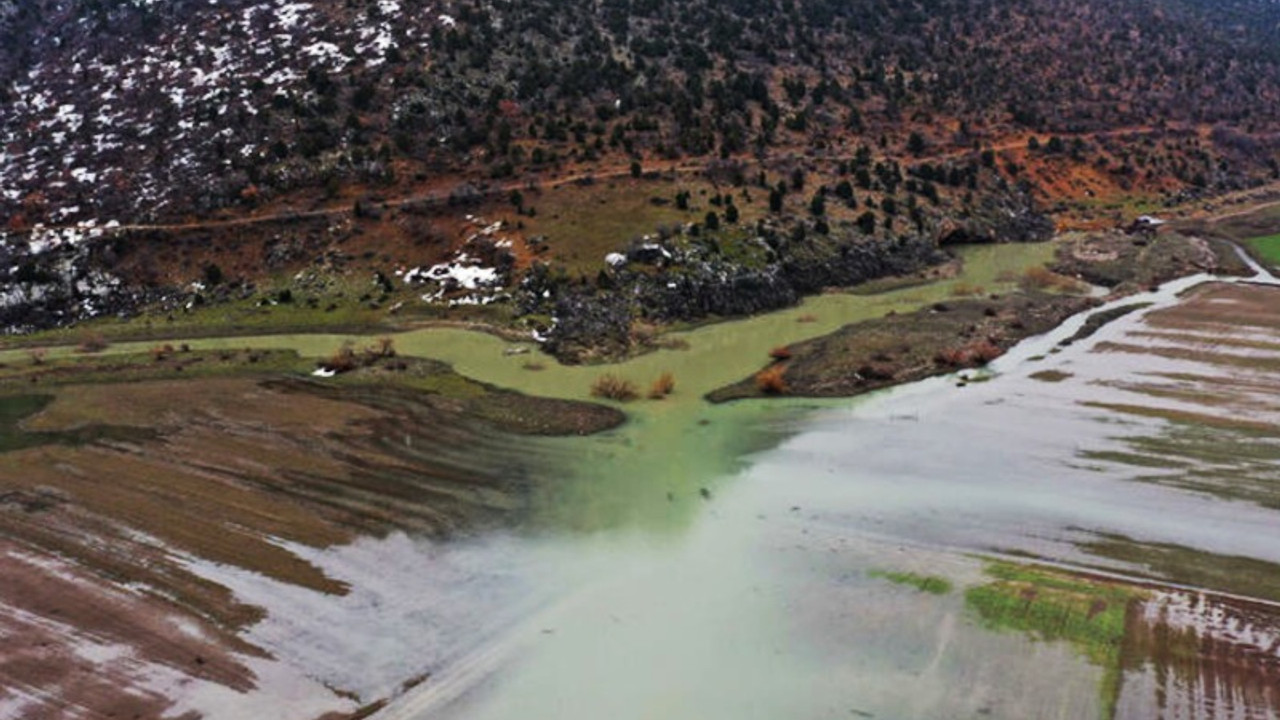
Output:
[[694, 282]]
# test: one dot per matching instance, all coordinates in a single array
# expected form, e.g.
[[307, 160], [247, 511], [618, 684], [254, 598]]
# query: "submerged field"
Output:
[[842, 562], [209, 530], [158, 478]]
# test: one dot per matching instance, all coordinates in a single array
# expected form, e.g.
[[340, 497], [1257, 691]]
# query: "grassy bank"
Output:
[[1266, 249]]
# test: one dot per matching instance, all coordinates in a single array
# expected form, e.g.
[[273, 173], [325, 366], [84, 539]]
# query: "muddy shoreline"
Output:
[[904, 348], [969, 333]]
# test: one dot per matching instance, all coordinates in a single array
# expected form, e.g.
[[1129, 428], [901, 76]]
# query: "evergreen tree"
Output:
[[775, 201], [867, 222], [731, 214]]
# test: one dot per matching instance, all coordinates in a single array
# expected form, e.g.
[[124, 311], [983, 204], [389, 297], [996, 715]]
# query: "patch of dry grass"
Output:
[[663, 386], [1041, 278], [772, 380], [977, 352], [964, 289], [612, 387], [93, 342]]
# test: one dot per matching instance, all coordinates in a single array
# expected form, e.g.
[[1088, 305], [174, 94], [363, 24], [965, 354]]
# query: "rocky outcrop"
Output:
[[693, 281], [850, 261], [59, 286], [1000, 217], [707, 292], [589, 324]]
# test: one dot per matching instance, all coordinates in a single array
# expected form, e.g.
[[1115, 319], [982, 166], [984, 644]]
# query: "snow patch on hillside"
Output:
[[140, 125]]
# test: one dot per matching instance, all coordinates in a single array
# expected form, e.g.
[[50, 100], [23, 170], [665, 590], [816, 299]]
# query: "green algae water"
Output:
[[717, 353]]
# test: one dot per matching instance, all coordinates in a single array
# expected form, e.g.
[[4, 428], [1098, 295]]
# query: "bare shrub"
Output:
[[770, 381], [613, 387], [93, 342], [977, 352], [663, 386], [643, 333], [984, 351], [343, 359], [347, 358], [1041, 278], [877, 371]]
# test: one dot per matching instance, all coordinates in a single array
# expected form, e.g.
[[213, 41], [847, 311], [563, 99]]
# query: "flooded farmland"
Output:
[[1089, 531], [1087, 528]]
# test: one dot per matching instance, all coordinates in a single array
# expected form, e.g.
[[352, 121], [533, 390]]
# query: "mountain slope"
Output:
[[141, 109]]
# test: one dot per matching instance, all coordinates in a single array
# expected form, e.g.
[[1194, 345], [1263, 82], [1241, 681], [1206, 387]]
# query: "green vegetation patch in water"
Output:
[[1052, 606], [1238, 575], [931, 584], [1051, 376], [1231, 463]]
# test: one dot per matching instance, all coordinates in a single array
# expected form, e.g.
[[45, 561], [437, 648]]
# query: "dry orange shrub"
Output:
[[770, 381]]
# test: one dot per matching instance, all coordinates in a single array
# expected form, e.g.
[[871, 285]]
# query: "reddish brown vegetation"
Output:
[[782, 352], [663, 386], [92, 343], [346, 358], [977, 352], [613, 387], [1040, 278], [342, 360], [770, 381]]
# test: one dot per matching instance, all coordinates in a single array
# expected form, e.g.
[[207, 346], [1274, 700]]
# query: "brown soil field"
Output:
[[96, 596]]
